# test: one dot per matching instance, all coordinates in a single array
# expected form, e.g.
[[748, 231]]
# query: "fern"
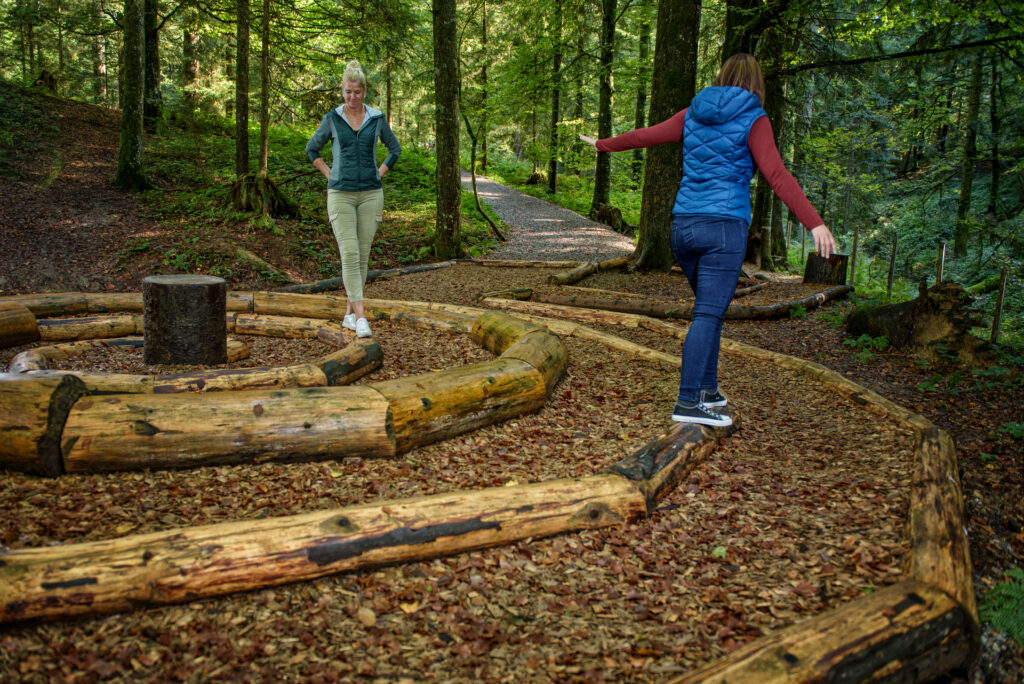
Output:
[[1004, 606]]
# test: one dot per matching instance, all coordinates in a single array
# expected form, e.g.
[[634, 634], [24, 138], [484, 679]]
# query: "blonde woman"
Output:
[[355, 197]]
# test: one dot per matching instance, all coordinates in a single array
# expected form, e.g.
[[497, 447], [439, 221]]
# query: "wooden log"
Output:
[[744, 291], [111, 302], [513, 263], [93, 327], [32, 413], [52, 304], [939, 553], [29, 360], [184, 319], [542, 350], [240, 301], [17, 325], [640, 307], [418, 317], [40, 358], [290, 304], [434, 406], [333, 284], [520, 294], [496, 331], [908, 632], [565, 312], [574, 275], [278, 326], [831, 271], [234, 379], [615, 263], [104, 383], [661, 464], [190, 563], [781, 310], [125, 432], [345, 366]]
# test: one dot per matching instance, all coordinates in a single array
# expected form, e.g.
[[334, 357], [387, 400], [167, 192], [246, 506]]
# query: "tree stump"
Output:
[[184, 319], [831, 271]]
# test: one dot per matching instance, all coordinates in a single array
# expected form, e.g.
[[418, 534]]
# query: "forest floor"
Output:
[[801, 510]]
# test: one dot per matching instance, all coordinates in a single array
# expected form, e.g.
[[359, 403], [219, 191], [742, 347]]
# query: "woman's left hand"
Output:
[[383, 169]]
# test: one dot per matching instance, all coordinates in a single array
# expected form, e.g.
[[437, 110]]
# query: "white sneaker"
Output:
[[349, 321], [362, 328]]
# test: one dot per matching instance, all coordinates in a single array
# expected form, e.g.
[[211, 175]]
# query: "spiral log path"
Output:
[[804, 547]]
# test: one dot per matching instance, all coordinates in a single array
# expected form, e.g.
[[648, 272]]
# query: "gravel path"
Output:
[[540, 230]]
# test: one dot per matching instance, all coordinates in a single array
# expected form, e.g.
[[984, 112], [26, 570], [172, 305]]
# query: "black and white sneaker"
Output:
[[713, 398], [696, 412]]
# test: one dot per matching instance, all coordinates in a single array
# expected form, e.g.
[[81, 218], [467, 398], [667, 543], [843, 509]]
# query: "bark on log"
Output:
[[422, 318], [32, 414], [122, 432], [574, 275], [52, 304], [543, 351], [17, 325], [235, 379], [186, 564], [939, 549], [434, 406], [93, 327], [290, 327], [496, 332], [909, 632], [184, 319], [831, 271], [332, 284], [290, 304], [513, 263], [744, 291], [661, 464], [520, 294], [112, 302], [347, 365]]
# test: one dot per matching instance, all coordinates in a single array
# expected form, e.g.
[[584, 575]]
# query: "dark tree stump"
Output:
[[184, 319], [937, 323], [831, 271]]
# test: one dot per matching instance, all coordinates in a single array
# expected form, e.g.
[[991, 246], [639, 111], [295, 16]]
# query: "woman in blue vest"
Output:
[[724, 135], [355, 197]]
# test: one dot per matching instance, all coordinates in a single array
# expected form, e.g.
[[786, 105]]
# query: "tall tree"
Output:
[[264, 89], [673, 85], [129, 175], [556, 94], [483, 91], [967, 160], [152, 100], [241, 87], [603, 173], [446, 128], [642, 70]]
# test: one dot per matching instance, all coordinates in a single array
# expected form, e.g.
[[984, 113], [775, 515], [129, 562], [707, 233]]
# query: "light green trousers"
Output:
[[354, 217]]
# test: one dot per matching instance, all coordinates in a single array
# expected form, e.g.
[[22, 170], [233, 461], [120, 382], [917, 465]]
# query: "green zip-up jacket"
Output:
[[354, 166]]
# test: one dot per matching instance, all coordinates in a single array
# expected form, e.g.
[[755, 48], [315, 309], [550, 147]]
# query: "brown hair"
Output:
[[743, 71]]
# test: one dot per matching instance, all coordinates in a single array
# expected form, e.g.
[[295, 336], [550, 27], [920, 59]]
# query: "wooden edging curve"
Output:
[[936, 527], [122, 431]]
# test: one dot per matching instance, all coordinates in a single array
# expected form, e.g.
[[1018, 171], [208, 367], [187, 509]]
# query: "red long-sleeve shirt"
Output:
[[760, 140]]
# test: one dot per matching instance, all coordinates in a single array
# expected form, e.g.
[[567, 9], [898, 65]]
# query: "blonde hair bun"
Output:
[[354, 73]]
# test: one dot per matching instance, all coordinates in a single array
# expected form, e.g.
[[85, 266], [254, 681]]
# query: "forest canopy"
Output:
[[899, 119]]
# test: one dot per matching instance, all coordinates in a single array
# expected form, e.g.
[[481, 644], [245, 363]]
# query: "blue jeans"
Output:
[[710, 251]]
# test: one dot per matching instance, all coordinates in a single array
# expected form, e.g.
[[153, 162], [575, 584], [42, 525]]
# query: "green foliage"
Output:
[[867, 346], [1014, 430], [797, 312], [835, 316], [1003, 606]]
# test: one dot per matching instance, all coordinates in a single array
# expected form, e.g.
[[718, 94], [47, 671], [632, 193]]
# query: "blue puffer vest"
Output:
[[717, 166]]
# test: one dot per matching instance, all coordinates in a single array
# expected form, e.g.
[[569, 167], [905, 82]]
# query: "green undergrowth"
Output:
[[1003, 606], [29, 131]]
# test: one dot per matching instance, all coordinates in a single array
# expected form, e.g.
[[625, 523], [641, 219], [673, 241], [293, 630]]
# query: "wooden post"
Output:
[[892, 266], [803, 244], [997, 316], [853, 255], [183, 320], [941, 264]]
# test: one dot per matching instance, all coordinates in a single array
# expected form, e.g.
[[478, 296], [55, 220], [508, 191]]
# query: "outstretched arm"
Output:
[[668, 131]]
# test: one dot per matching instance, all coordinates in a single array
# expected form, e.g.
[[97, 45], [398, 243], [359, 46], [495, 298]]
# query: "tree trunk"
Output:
[[831, 271], [483, 92], [603, 173], [190, 59], [153, 102], [995, 90], [129, 175], [100, 61], [642, 76], [556, 94], [184, 319], [970, 151], [448, 243], [242, 88], [740, 27], [673, 85], [264, 96]]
